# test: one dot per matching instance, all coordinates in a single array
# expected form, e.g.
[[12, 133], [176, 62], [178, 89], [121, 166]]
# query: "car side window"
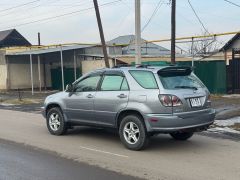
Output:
[[124, 86], [114, 83], [145, 79], [88, 84]]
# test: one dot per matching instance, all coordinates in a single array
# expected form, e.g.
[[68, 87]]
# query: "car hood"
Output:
[[55, 97]]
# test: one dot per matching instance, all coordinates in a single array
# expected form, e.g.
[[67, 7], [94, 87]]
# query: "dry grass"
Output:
[[216, 96], [236, 126], [219, 101], [24, 101]]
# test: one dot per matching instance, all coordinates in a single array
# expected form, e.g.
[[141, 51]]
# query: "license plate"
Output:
[[195, 102]]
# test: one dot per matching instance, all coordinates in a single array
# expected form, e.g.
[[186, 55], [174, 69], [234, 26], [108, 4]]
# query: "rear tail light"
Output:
[[170, 100]]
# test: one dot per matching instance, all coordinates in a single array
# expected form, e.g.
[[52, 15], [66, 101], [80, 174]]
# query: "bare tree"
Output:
[[204, 46]]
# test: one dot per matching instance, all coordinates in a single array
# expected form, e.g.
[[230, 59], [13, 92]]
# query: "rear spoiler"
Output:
[[175, 71]]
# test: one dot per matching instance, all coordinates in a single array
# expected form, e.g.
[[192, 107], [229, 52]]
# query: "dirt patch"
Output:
[[22, 102], [228, 113], [219, 101], [227, 106], [23, 97], [236, 126]]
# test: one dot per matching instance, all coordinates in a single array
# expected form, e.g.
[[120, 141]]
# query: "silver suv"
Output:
[[136, 101]]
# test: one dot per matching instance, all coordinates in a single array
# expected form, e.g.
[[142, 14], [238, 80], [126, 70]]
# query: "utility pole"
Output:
[[39, 65], [101, 33], [192, 46], [39, 39], [173, 31], [137, 32]]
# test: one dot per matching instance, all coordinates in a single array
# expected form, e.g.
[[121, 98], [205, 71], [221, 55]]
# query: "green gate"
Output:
[[56, 75], [212, 74]]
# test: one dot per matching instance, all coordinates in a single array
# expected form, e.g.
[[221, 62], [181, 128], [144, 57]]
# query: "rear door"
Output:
[[181, 82], [111, 97]]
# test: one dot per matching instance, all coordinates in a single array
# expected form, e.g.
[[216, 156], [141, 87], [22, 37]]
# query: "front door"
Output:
[[79, 103], [111, 97]]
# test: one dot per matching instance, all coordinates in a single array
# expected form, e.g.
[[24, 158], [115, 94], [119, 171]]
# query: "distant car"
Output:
[[136, 101]]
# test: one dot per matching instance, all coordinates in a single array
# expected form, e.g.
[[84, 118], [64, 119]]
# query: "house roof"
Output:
[[49, 50], [230, 42], [124, 40], [4, 34], [12, 37], [128, 45]]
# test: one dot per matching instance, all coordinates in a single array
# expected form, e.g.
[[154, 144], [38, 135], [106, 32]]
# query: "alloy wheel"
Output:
[[131, 133], [54, 121]]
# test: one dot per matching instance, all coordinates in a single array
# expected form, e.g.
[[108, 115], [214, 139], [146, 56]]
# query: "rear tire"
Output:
[[181, 136], [55, 122], [132, 133]]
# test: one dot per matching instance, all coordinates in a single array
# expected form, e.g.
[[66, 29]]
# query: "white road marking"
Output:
[[105, 152]]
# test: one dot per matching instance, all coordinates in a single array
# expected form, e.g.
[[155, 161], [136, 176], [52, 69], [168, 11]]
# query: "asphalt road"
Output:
[[199, 158], [23, 162]]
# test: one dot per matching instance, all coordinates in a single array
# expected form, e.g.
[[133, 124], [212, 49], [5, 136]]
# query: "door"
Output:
[[111, 97], [79, 104], [235, 75], [68, 77]]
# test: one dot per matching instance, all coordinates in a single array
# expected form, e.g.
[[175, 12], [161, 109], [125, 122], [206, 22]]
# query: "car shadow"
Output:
[[96, 133], [166, 142], [162, 142]]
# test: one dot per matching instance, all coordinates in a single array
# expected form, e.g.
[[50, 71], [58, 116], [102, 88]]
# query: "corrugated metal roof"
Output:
[[129, 46], [49, 50], [122, 40]]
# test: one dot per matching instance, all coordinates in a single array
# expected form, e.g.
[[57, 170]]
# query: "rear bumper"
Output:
[[186, 121]]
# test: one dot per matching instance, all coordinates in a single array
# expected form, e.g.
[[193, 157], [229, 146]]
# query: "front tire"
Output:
[[55, 122], [181, 136], [132, 133]]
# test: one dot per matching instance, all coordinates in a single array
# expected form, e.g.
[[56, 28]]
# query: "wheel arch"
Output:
[[126, 112], [52, 105]]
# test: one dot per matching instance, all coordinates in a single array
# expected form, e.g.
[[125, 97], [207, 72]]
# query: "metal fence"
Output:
[[211, 73]]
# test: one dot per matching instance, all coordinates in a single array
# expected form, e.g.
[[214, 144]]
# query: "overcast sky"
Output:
[[118, 19]]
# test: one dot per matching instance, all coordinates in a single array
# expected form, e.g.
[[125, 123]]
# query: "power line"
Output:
[[62, 15], [20, 5], [232, 3], [153, 14], [197, 17], [152, 41], [117, 29], [24, 11], [24, 17]]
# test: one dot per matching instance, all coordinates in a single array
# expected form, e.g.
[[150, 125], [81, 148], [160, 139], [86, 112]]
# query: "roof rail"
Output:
[[121, 65], [142, 66]]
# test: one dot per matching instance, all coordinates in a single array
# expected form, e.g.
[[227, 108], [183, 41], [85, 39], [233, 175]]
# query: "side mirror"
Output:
[[69, 88]]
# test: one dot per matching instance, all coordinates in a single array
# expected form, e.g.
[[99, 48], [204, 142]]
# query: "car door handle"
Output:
[[90, 96], [122, 96]]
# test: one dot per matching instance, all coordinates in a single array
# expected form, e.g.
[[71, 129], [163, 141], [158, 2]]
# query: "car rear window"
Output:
[[180, 81], [145, 79]]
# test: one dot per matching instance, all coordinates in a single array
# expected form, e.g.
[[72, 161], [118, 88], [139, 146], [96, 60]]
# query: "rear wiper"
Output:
[[186, 87]]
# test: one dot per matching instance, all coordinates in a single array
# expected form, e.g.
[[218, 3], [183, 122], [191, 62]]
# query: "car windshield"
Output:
[[182, 81]]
